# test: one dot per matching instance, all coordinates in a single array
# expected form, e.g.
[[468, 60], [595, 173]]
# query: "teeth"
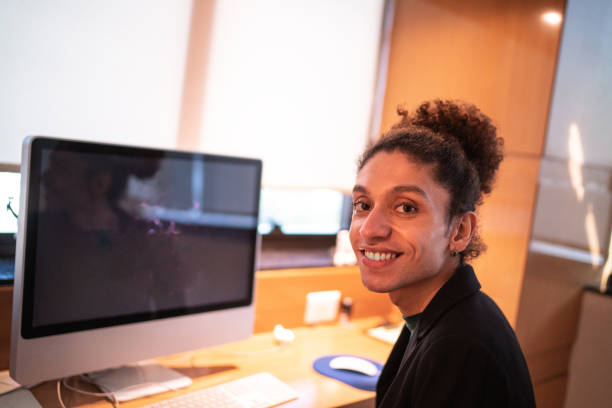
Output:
[[379, 256]]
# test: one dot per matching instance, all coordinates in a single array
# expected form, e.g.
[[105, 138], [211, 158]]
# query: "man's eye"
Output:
[[360, 206], [406, 208]]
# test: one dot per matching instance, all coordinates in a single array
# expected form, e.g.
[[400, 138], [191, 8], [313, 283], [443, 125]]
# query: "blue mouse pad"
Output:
[[354, 379]]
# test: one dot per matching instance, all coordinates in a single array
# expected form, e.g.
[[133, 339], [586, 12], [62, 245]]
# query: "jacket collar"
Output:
[[462, 284]]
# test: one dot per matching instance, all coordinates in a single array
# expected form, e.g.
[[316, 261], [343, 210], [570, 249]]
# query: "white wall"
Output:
[[582, 100], [291, 82], [576, 173], [106, 70]]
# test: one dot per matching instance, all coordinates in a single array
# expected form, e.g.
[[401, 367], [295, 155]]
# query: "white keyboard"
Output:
[[261, 390], [387, 333]]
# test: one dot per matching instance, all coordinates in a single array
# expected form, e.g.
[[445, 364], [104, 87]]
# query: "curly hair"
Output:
[[462, 144]]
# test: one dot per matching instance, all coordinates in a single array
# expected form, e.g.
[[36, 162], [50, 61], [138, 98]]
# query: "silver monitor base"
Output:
[[138, 380]]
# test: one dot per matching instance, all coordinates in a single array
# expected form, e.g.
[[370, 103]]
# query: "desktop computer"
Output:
[[125, 254]]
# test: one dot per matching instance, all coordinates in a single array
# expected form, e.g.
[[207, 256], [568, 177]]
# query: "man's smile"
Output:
[[378, 257]]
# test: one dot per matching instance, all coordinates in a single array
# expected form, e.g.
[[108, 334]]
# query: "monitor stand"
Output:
[[138, 380]]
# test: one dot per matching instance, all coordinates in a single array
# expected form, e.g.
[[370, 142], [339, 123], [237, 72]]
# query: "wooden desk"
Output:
[[291, 363]]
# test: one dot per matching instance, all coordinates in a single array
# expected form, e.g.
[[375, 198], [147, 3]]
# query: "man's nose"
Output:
[[375, 226]]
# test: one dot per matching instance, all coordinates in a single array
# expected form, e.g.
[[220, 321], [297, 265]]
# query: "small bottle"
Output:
[[346, 307]]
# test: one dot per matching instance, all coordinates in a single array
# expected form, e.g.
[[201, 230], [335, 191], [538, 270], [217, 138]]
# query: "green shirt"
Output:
[[411, 322]]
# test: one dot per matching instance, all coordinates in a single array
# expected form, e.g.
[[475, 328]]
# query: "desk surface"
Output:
[[291, 363]]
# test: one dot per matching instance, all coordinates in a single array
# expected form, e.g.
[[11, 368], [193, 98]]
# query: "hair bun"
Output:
[[471, 128]]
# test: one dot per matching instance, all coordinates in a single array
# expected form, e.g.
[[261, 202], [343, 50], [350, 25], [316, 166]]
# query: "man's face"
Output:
[[399, 230]]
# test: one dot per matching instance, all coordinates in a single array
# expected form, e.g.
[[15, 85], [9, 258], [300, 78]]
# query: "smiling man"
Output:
[[414, 230]]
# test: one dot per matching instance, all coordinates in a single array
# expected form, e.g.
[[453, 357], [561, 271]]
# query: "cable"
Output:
[[59, 393], [191, 357], [64, 382], [106, 393]]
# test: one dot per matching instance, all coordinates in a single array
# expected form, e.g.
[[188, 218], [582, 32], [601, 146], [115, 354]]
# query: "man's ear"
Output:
[[463, 228]]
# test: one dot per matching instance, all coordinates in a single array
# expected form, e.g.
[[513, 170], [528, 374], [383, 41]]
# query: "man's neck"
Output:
[[413, 299]]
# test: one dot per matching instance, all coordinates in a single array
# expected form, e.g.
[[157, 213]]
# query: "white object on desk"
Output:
[[261, 390], [387, 333], [356, 364], [321, 306], [282, 335], [138, 380]]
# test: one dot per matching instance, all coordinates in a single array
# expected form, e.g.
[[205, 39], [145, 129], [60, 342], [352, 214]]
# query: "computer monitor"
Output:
[[125, 254]]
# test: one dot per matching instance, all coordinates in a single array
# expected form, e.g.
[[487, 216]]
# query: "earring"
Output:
[[453, 253]]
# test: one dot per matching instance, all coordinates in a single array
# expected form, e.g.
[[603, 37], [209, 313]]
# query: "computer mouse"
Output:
[[356, 364]]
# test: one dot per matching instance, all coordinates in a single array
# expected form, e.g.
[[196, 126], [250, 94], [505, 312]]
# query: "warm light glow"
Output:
[[607, 269], [576, 160], [590, 225], [552, 17]]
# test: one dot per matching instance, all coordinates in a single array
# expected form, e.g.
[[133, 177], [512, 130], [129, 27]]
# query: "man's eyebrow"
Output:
[[410, 189], [359, 189], [397, 189]]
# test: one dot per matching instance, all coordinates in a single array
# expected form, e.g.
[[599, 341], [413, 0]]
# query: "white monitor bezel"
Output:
[[56, 356]]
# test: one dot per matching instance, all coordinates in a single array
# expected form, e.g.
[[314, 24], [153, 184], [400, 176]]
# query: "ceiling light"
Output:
[[552, 17]]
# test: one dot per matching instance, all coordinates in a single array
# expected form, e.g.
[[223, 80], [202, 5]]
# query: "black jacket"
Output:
[[463, 353]]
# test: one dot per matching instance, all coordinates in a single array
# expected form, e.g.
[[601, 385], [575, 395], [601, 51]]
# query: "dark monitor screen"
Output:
[[119, 235]]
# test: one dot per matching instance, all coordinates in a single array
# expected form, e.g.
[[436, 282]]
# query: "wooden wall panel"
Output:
[[505, 223], [281, 295], [499, 55]]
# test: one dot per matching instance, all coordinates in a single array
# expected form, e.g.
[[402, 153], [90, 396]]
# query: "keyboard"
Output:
[[387, 333], [261, 390]]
